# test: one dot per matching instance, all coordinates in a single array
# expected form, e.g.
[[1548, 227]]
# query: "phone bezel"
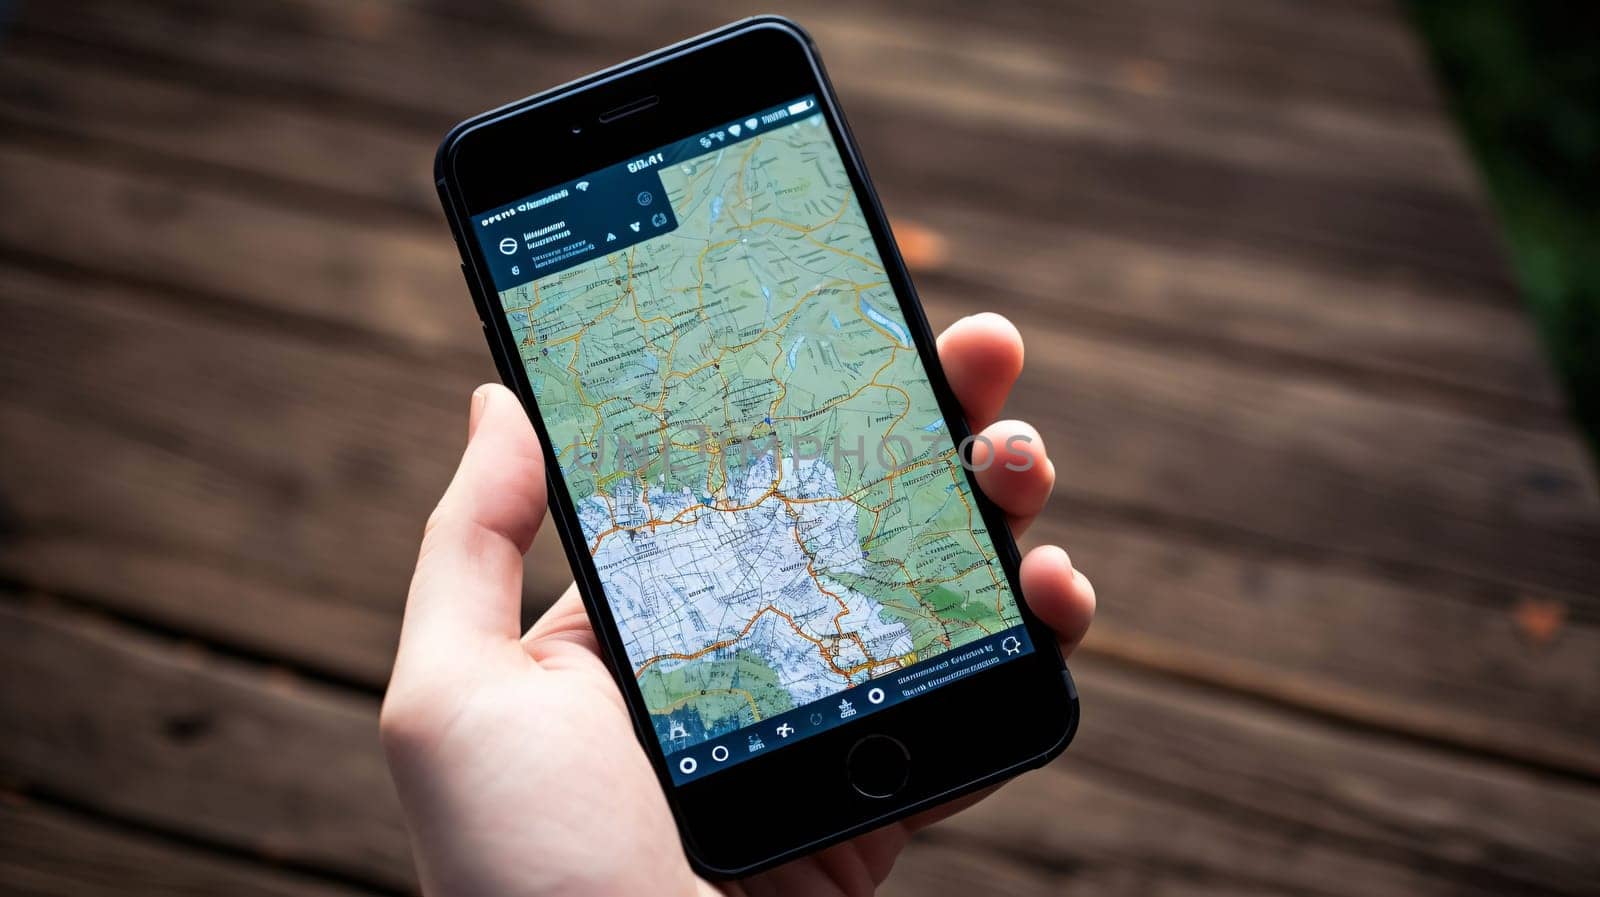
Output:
[[964, 735]]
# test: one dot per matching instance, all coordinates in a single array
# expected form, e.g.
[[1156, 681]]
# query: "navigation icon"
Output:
[[719, 753], [687, 766], [633, 226], [1011, 645], [875, 696], [785, 730], [508, 246], [845, 710], [611, 237], [816, 719]]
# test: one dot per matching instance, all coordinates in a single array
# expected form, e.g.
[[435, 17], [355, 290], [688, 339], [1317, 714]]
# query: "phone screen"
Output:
[[775, 505]]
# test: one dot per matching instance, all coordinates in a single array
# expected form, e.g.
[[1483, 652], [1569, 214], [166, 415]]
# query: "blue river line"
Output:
[[897, 331]]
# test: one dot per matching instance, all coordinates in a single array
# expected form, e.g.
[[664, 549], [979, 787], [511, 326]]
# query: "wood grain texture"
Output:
[[1383, 324], [304, 511], [45, 852], [361, 49], [1216, 788], [1354, 472], [177, 739], [1346, 543], [289, 531], [1407, 657], [964, 70], [1347, 85]]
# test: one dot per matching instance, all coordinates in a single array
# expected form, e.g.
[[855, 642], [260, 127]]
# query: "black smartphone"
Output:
[[760, 475]]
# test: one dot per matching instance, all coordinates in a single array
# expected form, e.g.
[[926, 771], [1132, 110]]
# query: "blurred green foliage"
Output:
[[1523, 78]]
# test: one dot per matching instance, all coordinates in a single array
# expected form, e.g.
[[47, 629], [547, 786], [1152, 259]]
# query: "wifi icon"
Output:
[[734, 130], [583, 185]]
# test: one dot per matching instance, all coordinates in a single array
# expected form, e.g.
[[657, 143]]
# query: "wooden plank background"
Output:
[[1347, 543]]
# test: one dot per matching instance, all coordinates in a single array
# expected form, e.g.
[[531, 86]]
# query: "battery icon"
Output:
[[797, 108]]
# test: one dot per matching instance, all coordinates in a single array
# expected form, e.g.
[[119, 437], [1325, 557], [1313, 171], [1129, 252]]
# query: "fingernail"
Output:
[[480, 398]]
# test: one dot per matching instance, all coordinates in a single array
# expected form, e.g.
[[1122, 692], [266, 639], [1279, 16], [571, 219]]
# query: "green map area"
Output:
[[765, 480]]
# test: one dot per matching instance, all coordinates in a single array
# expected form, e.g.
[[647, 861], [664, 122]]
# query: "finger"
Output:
[[565, 621], [468, 582], [1014, 470], [1064, 599], [1060, 595], [982, 357]]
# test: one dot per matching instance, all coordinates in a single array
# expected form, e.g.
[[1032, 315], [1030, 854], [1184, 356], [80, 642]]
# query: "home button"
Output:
[[879, 766]]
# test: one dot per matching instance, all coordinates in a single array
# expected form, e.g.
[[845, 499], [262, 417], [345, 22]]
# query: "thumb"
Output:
[[468, 583]]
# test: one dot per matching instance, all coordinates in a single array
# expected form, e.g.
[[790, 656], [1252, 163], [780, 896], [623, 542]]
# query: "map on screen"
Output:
[[763, 475]]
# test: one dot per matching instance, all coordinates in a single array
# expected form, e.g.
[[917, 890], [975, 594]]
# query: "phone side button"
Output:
[[477, 301], [879, 766], [499, 364]]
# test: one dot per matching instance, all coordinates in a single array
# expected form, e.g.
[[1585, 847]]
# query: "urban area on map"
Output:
[[763, 475]]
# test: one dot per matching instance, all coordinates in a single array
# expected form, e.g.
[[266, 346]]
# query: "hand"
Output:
[[513, 754]]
